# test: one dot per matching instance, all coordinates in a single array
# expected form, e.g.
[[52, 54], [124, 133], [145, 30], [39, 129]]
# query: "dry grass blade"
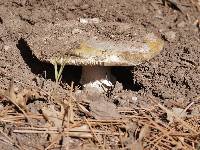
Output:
[[71, 109], [188, 106], [79, 132], [93, 133]]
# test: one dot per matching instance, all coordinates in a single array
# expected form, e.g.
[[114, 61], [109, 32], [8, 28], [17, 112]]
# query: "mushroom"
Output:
[[94, 46]]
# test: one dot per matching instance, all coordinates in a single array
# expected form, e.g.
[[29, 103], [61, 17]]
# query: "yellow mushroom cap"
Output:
[[103, 44]]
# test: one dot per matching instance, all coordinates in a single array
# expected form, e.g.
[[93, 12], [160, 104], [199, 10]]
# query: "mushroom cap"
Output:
[[104, 43]]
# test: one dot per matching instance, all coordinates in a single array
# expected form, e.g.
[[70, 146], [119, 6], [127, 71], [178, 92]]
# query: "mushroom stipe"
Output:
[[95, 46]]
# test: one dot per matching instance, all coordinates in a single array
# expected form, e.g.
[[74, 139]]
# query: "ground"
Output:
[[155, 105]]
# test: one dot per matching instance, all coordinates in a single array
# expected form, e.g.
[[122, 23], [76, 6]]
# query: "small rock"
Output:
[[134, 99], [101, 109], [170, 36], [89, 20], [83, 20]]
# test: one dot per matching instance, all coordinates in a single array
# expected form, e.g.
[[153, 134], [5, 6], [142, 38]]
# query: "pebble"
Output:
[[89, 20], [170, 36], [134, 99]]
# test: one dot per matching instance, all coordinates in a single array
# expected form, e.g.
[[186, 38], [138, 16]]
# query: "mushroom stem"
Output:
[[97, 78]]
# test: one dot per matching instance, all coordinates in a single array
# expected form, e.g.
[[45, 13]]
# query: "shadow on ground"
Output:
[[46, 70]]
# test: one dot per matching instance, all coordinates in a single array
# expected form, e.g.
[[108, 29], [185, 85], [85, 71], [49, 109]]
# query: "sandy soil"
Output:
[[171, 78]]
